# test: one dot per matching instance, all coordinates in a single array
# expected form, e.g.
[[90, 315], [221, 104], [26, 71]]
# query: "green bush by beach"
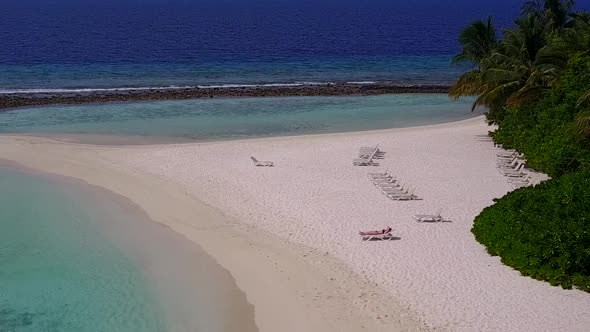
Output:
[[535, 83], [542, 231], [545, 131]]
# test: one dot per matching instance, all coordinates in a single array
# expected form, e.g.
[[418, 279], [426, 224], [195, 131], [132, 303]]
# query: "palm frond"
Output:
[[499, 95], [585, 99], [582, 125], [525, 95], [499, 75], [469, 84]]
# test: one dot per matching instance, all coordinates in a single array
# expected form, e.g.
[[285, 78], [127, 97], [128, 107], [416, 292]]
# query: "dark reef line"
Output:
[[26, 99]]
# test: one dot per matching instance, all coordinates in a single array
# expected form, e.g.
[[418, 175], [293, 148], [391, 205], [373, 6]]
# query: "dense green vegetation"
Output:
[[543, 231], [535, 83], [547, 131]]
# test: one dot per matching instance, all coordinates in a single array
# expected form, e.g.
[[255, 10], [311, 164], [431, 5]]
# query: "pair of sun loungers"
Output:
[[392, 187], [366, 156], [385, 234]]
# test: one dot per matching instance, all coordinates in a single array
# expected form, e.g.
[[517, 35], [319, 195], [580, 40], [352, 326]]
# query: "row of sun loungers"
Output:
[[512, 165], [367, 154], [392, 187]]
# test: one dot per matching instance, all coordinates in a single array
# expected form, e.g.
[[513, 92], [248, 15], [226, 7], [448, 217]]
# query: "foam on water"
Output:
[[89, 90], [412, 70]]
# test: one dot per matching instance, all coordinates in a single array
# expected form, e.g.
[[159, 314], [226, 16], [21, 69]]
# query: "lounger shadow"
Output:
[[433, 221], [391, 238]]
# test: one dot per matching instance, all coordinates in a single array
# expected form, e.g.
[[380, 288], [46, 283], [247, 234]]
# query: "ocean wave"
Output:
[[362, 82], [123, 89], [31, 91], [264, 85]]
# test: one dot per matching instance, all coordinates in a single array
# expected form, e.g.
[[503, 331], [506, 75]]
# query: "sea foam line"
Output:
[[214, 86], [74, 90]]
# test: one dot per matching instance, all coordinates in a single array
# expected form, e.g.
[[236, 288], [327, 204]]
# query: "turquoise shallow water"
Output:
[[58, 272], [76, 258], [210, 119]]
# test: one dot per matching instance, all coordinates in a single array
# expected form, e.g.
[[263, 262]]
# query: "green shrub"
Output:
[[543, 231], [543, 130]]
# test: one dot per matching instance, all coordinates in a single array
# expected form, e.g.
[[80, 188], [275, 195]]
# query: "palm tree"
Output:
[[518, 69], [576, 38], [478, 41], [524, 67], [583, 17], [557, 13]]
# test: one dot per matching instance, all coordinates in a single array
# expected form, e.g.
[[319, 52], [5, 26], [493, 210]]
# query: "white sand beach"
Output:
[[289, 234]]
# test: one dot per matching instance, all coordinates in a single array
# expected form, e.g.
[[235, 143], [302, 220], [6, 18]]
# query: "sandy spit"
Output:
[[288, 234]]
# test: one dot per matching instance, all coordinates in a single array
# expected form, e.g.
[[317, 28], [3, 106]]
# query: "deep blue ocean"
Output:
[[109, 44]]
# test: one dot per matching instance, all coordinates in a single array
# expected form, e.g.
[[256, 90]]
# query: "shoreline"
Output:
[[191, 289], [288, 234], [288, 293], [136, 141], [9, 101]]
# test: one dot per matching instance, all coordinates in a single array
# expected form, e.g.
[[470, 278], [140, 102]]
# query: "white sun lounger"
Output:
[[397, 192], [513, 172], [517, 174], [519, 185], [385, 181], [376, 147], [369, 152], [521, 182], [391, 186], [527, 179], [370, 149], [509, 155], [386, 236], [393, 189], [506, 153], [376, 235], [401, 195], [409, 197], [378, 174], [509, 163], [362, 162], [261, 163], [429, 217]]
